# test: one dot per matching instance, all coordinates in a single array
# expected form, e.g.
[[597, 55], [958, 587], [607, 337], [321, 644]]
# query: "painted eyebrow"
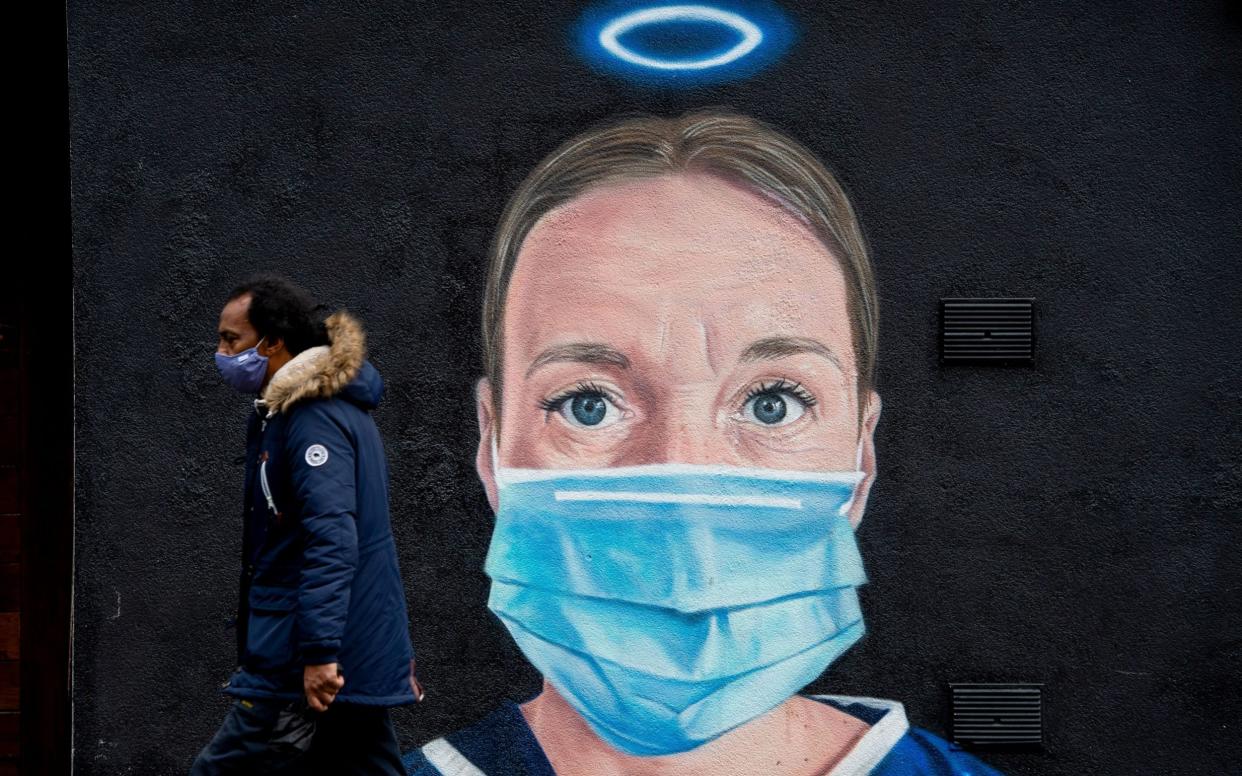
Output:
[[580, 352], [771, 348]]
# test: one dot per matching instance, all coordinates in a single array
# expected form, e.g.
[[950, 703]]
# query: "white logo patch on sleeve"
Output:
[[316, 455]]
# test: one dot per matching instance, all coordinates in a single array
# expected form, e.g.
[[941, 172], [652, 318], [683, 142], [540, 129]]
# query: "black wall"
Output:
[[1076, 523]]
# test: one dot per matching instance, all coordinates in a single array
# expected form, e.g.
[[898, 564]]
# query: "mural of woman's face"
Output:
[[678, 319]]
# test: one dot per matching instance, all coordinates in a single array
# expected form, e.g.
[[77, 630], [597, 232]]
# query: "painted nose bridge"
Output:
[[686, 432], [682, 427]]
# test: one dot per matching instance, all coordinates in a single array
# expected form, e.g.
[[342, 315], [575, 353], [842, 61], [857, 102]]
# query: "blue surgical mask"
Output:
[[671, 603], [245, 371]]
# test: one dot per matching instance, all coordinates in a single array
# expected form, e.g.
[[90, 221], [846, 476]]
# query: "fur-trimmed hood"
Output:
[[339, 367]]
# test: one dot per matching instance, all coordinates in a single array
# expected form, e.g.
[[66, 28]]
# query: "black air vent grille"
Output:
[[987, 331], [997, 714]]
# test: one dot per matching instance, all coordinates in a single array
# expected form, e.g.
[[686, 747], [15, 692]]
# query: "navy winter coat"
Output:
[[320, 582]]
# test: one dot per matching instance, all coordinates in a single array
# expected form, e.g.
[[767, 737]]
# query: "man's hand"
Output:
[[321, 684]]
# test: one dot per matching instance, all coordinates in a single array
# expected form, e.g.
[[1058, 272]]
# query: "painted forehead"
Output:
[[617, 204], [695, 233], [696, 230]]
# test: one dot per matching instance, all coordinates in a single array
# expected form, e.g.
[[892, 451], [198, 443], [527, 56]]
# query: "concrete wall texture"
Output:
[[1074, 523]]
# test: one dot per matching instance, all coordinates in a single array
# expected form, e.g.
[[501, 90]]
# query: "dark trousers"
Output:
[[348, 739]]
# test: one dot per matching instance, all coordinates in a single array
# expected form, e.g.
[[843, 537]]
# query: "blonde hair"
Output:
[[718, 142]]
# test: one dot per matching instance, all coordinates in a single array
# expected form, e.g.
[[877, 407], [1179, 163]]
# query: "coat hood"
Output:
[[338, 368]]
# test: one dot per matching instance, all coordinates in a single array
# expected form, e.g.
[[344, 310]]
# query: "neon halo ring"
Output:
[[609, 36]]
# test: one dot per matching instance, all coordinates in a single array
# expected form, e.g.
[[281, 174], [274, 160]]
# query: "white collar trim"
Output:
[[877, 742], [448, 761], [862, 758]]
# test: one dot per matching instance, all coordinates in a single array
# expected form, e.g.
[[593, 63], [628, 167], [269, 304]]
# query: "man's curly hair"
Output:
[[281, 309]]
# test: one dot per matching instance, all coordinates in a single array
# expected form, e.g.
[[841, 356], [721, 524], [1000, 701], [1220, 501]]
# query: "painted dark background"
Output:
[[1076, 523]]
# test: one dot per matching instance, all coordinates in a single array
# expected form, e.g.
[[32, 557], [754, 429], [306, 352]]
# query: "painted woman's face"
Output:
[[677, 319]]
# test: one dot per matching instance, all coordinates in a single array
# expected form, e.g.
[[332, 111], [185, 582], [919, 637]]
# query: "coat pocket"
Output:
[[271, 640]]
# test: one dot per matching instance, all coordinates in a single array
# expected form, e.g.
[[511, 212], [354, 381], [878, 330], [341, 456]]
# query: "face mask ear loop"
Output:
[[858, 459], [495, 460]]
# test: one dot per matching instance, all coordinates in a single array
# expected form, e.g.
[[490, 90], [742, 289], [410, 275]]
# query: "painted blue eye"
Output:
[[769, 408], [589, 410], [773, 408]]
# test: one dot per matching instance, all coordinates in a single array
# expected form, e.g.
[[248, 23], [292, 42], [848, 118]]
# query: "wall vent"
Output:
[[988, 330], [987, 715]]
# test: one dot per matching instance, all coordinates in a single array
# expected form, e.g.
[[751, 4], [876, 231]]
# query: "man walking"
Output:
[[323, 636]]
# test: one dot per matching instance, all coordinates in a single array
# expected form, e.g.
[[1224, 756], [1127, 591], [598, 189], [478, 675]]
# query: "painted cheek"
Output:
[[571, 451], [798, 454], [813, 442]]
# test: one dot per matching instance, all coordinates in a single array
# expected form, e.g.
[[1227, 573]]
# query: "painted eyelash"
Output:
[[554, 403], [783, 386]]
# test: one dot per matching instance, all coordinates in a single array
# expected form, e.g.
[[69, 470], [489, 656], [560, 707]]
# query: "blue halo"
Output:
[[609, 36], [679, 50]]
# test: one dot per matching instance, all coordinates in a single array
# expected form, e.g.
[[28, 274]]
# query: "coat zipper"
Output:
[[267, 489]]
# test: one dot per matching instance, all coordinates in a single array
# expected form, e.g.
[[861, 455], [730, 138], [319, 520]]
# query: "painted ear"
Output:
[[483, 459], [866, 463]]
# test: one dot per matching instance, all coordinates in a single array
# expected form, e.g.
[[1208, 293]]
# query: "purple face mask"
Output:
[[244, 371]]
